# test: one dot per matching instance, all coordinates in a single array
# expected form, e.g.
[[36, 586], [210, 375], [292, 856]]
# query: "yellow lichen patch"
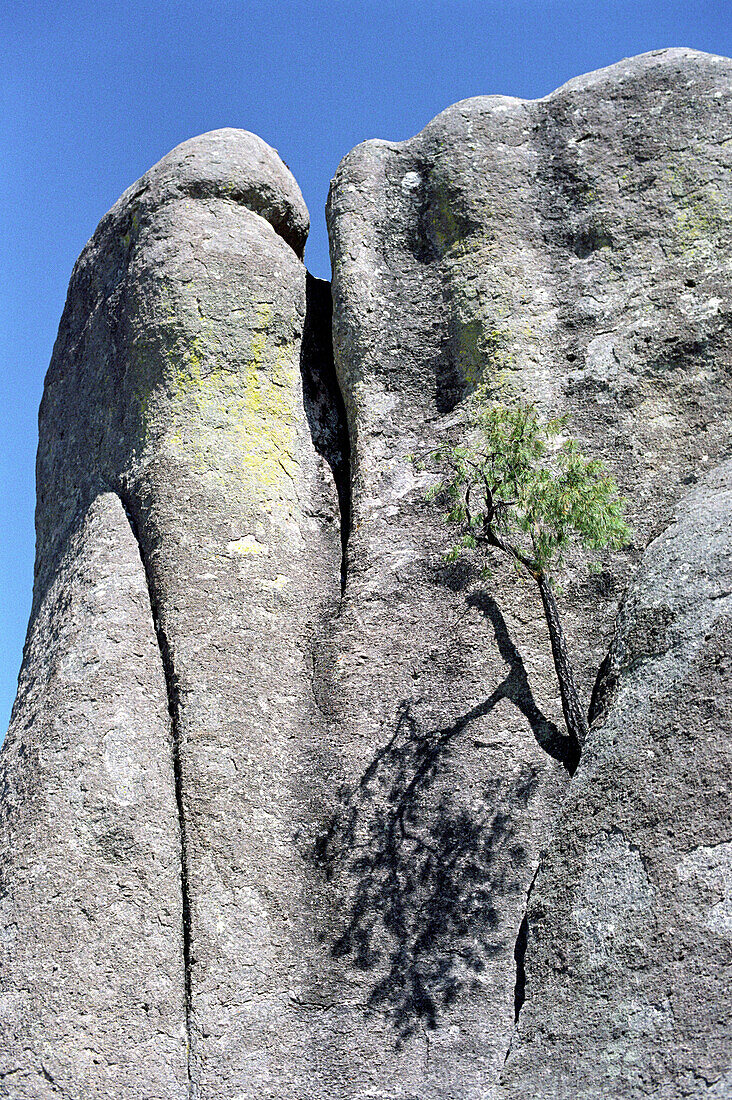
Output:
[[247, 545], [235, 422]]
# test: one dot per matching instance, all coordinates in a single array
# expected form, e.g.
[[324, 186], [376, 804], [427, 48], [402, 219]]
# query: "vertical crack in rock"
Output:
[[323, 401], [171, 688], [519, 954], [606, 682]]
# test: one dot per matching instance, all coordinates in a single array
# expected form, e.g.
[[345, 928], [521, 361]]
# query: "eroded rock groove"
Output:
[[323, 401], [171, 686]]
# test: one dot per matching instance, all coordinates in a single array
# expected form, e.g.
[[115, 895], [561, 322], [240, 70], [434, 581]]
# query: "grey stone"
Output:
[[363, 781], [577, 250], [232, 165], [628, 964], [91, 934], [175, 382]]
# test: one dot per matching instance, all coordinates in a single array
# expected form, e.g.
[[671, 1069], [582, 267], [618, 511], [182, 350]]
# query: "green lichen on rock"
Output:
[[703, 214], [132, 227], [237, 427], [448, 229], [483, 338], [484, 352]]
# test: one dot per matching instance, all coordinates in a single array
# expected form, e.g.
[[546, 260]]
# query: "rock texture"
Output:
[[577, 250], [628, 966], [92, 995], [361, 756], [176, 383]]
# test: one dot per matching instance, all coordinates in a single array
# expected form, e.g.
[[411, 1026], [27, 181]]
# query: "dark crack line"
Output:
[[323, 402], [171, 683], [519, 954], [173, 699]]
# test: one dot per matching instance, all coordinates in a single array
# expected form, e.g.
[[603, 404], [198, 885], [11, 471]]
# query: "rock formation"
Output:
[[279, 781], [630, 919]]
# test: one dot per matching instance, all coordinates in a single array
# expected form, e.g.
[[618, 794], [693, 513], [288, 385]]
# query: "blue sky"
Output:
[[94, 93]]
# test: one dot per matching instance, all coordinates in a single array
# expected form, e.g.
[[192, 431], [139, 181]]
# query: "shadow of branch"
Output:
[[423, 875], [518, 691]]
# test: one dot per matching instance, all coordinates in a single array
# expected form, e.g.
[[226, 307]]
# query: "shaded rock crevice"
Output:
[[173, 699], [519, 954], [323, 401]]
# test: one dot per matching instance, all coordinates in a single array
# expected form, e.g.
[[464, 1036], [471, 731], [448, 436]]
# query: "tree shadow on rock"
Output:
[[516, 687], [424, 875]]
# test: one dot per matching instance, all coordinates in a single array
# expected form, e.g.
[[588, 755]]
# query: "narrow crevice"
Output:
[[519, 954], [323, 401], [606, 683], [173, 698]]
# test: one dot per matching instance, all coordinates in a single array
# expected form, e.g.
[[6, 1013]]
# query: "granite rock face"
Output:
[[577, 250], [92, 995], [358, 750], [176, 384], [628, 965]]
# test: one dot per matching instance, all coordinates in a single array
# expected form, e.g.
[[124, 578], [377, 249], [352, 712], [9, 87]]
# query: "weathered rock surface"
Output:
[[628, 965], [176, 383], [91, 936], [362, 787], [577, 249]]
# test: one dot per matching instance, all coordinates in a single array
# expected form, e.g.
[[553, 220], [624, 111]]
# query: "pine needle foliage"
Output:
[[522, 486]]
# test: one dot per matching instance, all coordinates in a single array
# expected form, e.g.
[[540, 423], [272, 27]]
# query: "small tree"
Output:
[[521, 487]]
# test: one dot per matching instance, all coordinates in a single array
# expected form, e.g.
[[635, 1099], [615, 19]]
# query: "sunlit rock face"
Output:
[[574, 251], [92, 998], [630, 919], [175, 395], [272, 812]]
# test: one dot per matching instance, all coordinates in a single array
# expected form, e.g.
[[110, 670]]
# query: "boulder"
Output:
[[353, 750], [175, 385], [628, 966], [573, 251]]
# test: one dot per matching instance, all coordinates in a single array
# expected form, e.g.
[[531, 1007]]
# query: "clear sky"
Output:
[[94, 92]]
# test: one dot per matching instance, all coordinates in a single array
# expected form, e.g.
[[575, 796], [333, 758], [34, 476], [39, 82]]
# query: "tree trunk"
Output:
[[574, 716]]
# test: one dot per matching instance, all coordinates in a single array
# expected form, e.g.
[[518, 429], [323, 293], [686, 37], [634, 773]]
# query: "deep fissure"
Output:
[[173, 700], [323, 401], [519, 954]]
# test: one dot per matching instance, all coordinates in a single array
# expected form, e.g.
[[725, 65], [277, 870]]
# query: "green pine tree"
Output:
[[521, 487]]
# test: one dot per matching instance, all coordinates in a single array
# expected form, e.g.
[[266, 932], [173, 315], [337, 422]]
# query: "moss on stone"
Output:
[[233, 422], [703, 213]]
